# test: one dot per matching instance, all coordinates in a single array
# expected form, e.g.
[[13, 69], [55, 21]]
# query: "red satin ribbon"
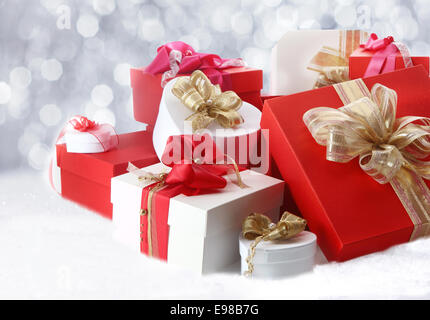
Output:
[[186, 177], [180, 58], [384, 57]]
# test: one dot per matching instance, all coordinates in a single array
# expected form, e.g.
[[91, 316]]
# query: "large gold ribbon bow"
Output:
[[390, 150], [207, 101], [259, 227], [332, 64]]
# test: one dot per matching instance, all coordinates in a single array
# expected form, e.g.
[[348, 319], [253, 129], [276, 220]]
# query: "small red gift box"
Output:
[[147, 90], [86, 177], [350, 212], [360, 59]]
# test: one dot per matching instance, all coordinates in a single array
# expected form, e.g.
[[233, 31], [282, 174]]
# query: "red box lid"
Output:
[[351, 213], [135, 147], [243, 79]]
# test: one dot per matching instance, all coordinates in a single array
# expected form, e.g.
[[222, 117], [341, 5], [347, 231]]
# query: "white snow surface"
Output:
[[51, 248]]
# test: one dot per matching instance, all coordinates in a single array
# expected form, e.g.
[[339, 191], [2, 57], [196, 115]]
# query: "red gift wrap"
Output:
[[360, 59], [86, 178], [350, 212], [147, 90]]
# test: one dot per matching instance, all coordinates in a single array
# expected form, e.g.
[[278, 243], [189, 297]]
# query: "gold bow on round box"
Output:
[[259, 227], [207, 101]]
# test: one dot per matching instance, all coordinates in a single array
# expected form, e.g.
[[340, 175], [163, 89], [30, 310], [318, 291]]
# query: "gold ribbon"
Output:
[[332, 64], [390, 150], [259, 227], [207, 101]]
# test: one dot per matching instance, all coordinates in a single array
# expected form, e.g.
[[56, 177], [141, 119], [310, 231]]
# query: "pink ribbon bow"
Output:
[[384, 58], [180, 58]]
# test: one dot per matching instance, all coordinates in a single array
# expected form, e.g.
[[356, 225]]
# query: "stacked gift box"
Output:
[[189, 191]]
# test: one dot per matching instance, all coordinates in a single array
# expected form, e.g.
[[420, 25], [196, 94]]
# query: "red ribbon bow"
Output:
[[194, 171], [197, 164], [180, 58], [81, 123]]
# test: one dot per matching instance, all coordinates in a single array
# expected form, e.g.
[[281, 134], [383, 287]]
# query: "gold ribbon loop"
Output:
[[259, 227], [332, 64], [207, 101], [390, 150]]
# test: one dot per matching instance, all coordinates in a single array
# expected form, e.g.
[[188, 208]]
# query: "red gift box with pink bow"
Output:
[[176, 59], [378, 56], [85, 178]]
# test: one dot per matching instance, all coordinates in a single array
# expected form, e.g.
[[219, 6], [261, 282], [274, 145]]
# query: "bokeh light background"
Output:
[[50, 71]]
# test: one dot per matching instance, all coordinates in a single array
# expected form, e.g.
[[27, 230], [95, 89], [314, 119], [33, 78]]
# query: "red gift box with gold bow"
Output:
[[179, 59], [351, 213]]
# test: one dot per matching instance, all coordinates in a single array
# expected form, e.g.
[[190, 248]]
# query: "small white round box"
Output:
[[278, 259]]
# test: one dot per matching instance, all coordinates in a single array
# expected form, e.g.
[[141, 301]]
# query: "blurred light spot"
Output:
[[191, 40], [175, 16], [152, 30], [256, 57], [406, 29], [345, 16], [287, 16], [121, 74], [242, 23], [203, 37], [220, 19], [38, 157], [35, 64], [104, 7], [102, 95], [87, 25], [20, 77], [50, 115], [272, 3], [33, 133], [148, 12], [90, 109], [19, 106], [310, 24], [5, 93], [2, 115], [104, 116], [51, 69]]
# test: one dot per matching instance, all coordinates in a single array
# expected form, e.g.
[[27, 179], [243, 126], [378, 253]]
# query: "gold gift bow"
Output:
[[160, 179], [332, 64], [259, 227], [207, 101], [390, 150]]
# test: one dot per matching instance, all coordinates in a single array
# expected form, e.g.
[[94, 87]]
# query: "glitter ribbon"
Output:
[[207, 102], [390, 150]]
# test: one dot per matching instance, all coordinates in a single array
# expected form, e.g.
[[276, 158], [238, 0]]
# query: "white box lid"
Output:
[[302, 246]]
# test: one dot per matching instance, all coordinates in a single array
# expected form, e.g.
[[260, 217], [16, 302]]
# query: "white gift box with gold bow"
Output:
[[203, 229], [173, 115], [293, 53], [282, 258]]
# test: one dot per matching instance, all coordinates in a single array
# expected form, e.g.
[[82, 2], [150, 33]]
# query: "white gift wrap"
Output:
[[203, 228], [277, 259], [172, 114], [86, 142], [291, 56]]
